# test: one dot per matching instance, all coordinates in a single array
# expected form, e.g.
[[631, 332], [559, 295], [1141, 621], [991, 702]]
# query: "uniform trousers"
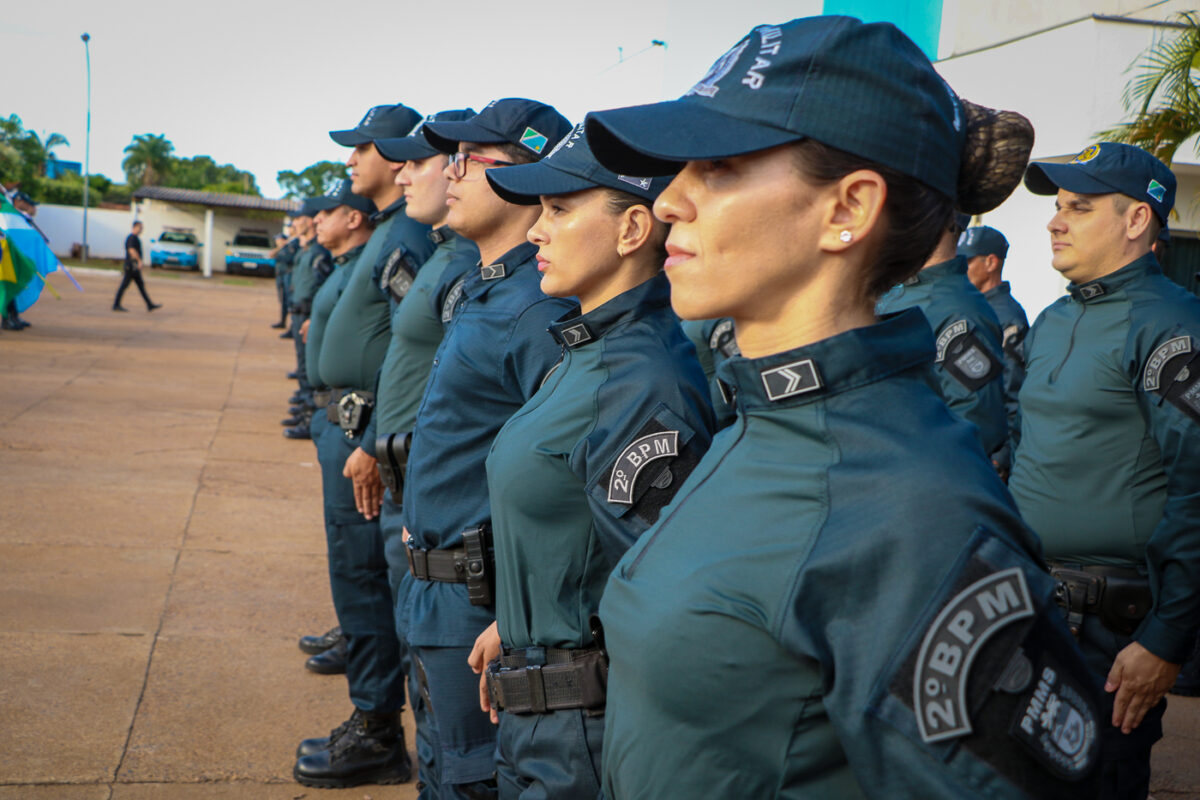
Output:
[[1125, 758], [131, 273], [549, 756], [358, 580], [306, 388]]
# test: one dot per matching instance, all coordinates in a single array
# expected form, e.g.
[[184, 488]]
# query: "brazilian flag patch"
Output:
[[533, 140]]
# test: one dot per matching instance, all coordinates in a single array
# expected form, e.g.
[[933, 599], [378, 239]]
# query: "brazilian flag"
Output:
[[16, 271]]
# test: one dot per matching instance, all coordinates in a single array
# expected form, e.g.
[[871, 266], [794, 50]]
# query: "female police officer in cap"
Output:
[[584, 468], [841, 600]]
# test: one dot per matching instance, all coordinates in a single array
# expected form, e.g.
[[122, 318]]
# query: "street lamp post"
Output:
[[87, 146]]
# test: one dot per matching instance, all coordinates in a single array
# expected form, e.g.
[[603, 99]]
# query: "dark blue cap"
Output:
[[982, 241], [570, 167], [533, 125], [308, 207], [1106, 168], [415, 145], [862, 88], [339, 194], [381, 122]]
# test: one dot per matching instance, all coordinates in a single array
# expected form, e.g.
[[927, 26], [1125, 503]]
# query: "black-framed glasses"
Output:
[[458, 163]]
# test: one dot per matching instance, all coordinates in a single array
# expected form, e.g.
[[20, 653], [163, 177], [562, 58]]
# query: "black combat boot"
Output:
[[331, 661], [319, 644], [310, 746], [371, 750]]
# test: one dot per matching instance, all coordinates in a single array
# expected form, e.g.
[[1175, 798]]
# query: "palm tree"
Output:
[[44, 150], [147, 159], [1165, 97]]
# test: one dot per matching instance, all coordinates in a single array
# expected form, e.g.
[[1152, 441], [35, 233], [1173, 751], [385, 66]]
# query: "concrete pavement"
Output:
[[161, 548]]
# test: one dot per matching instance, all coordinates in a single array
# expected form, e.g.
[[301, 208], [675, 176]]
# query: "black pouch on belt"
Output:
[[391, 453], [1125, 603]]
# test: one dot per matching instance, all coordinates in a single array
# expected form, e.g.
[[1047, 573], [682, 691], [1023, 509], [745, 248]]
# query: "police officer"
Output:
[[970, 367], [844, 559], [586, 465], [370, 749], [1108, 463], [492, 359], [985, 250], [285, 251], [311, 267]]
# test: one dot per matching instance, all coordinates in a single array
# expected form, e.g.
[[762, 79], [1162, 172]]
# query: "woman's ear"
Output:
[[637, 224], [855, 204]]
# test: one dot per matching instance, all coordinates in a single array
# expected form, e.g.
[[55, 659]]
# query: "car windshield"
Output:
[[177, 237], [252, 240]]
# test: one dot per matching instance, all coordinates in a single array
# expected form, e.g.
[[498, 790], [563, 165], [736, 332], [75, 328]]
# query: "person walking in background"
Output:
[[133, 269]]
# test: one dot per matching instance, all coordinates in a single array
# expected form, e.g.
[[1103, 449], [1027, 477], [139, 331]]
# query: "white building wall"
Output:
[[63, 225], [157, 214], [1068, 81]]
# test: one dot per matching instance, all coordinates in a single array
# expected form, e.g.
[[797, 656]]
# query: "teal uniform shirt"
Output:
[[714, 341], [970, 367], [308, 273], [285, 255], [1107, 469], [417, 325], [1014, 327], [359, 328], [574, 475], [322, 306], [844, 543]]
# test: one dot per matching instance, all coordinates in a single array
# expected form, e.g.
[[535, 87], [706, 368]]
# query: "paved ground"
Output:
[[161, 548]]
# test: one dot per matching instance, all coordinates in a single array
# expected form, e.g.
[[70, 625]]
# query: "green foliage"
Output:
[[201, 172], [311, 181], [67, 190], [23, 154], [147, 159], [1165, 97]]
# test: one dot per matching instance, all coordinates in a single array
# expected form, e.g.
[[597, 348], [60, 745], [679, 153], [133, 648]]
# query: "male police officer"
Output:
[[284, 253], [985, 250], [968, 337], [371, 746], [1107, 467], [311, 266], [493, 358]]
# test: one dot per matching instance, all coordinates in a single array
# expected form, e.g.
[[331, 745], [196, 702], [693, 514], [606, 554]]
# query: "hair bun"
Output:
[[994, 157]]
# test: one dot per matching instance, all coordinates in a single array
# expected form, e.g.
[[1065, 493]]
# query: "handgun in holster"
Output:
[[391, 454], [480, 574]]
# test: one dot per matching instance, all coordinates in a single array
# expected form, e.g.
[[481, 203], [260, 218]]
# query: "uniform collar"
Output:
[[1102, 288], [352, 253], [846, 361], [441, 235], [384, 213], [1003, 288], [939, 272], [482, 279], [576, 329]]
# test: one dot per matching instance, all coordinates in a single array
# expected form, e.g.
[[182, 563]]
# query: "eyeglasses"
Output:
[[458, 163]]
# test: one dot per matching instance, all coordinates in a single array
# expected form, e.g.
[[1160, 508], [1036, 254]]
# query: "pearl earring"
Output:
[[846, 236]]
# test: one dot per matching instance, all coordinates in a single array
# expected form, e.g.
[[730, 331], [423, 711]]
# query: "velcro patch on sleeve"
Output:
[[649, 467], [451, 301], [723, 340], [1173, 373], [398, 274], [965, 357], [1014, 343]]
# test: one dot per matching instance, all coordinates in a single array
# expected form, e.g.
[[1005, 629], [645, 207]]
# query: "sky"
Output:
[[259, 84]]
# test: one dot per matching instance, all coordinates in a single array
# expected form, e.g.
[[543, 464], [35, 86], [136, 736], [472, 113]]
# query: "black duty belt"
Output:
[[1119, 596], [321, 398], [472, 564], [566, 679]]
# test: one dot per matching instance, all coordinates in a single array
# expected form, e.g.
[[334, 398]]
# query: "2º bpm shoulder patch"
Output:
[[964, 357], [951, 645], [648, 468], [398, 274], [1173, 373]]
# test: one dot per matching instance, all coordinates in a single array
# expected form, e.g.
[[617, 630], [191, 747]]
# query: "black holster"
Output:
[[480, 571], [391, 454], [1120, 597], [568, 679]]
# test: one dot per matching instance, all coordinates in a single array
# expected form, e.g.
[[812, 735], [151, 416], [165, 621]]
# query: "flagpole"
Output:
[[87, 147]]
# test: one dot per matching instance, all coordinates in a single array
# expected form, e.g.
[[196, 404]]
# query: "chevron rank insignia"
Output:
[[798, 377]]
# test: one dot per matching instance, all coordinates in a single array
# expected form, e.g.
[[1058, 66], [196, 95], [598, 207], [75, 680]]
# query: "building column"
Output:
[[208, 242]]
